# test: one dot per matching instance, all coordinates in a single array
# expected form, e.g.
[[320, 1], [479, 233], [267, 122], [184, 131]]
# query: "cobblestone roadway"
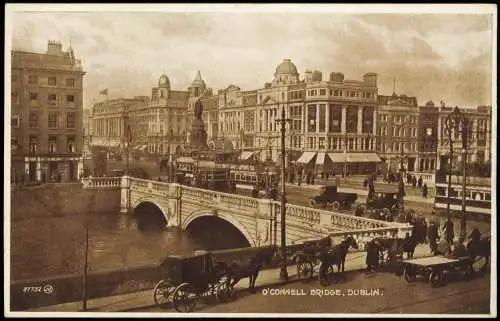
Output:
[[395, 296]]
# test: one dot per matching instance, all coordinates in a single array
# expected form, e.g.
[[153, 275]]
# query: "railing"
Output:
[[218, 198], [101, 182], [426, 177]]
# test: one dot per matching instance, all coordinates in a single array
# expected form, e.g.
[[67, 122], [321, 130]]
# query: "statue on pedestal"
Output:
[[198, 133]]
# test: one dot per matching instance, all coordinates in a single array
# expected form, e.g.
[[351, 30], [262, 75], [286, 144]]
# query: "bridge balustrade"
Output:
[[101, 182], [302, 222]]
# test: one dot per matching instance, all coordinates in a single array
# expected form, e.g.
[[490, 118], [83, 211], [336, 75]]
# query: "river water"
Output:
[[55, 246]]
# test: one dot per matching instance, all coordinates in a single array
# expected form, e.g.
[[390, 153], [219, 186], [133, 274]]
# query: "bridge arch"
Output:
[[224, 217], [143, 204]]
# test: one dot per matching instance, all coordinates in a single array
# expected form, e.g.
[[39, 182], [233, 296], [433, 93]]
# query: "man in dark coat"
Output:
[[449, 230], [420, 181], [424, 191], [372, 255], [414, 182], [433, 236]]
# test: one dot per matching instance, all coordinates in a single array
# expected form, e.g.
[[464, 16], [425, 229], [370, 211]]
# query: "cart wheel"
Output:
[[163, 293], [409, 274], [224, 292], [336, 205], [435, 278], [326, 274], [305, 271], [185, 298]]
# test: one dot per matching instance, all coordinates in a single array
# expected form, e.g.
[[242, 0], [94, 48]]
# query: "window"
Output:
[[52, 119], [70, 98], [14, 143], [52, 144], [70, 120], [33, 80], [33, 96], [52, 81], [52, 99], [322, 92], [33, 144], [70, 82], [14, 121], [71, 144], [321, 143], [311, 118], [33, 119], [322, 118]]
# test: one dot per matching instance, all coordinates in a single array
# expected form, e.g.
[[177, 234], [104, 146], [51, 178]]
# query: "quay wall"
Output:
[[61, 200]]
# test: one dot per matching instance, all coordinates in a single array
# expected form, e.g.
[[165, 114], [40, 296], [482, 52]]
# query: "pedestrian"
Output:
[[433, 236], [420, 181], [326, 175], [414, 182], [424, 191], [448, 229], [299, 179], [372, 255], [255, 192], [337, 180], [312, 179]]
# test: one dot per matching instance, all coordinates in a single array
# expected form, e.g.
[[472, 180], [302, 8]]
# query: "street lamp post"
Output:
[[456, 122], [283, 121]]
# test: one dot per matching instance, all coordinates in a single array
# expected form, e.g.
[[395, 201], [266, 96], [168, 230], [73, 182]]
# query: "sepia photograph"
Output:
[[235, 160]]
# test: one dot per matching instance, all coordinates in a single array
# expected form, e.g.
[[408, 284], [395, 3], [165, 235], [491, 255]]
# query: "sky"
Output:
[[432, 56]]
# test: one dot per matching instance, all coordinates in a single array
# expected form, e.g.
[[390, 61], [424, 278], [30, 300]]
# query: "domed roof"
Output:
[[164, 81], [286, 67]]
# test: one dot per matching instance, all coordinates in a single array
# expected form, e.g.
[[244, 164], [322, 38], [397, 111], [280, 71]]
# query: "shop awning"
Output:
[[306, 157], [320, 159], [337, 157], [363, 158], [246, 155]]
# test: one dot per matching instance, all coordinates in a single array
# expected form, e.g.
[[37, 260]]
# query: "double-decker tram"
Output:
[[477, 194]]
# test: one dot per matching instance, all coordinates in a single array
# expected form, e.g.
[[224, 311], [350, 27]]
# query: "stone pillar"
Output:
[[38, 169], [317, 118], [343, 123], [80, 167], [374, 131], [265, 210], [360, 120], [327, 121], [125, 195], [173, 209]]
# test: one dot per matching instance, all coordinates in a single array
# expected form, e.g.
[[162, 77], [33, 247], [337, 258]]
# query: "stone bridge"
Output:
[[258, 220]]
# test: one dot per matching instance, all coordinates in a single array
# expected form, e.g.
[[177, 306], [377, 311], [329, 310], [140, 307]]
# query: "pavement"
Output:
[[355, 262]]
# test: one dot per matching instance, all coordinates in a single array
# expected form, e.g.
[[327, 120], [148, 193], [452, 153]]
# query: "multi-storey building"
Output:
[[46, 114], [479, 145], [398, 132], [110, 119], [332, 122], [158, 122], [166, 116], [427, 138]]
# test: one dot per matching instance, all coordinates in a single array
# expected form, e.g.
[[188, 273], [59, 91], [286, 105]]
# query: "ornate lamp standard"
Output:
[[283, 121], [456, 123]]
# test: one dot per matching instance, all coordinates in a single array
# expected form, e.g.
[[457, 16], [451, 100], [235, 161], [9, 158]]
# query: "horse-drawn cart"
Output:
[[187, 278], [434, 268]]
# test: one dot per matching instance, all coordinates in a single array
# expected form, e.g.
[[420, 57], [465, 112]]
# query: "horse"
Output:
[[250, 268], [480, 248], [338, 254]]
